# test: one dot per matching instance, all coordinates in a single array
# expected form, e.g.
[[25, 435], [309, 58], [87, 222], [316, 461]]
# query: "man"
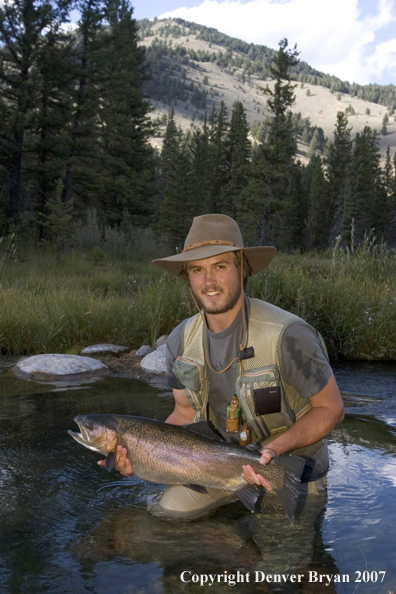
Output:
[[273, 362]]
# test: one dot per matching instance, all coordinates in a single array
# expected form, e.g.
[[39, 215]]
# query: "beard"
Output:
[[230, 303]]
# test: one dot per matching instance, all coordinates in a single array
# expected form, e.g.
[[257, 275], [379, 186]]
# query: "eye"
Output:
[[88, 425]]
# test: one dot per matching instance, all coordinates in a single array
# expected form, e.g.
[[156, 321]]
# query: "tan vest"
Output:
[[265, 329]]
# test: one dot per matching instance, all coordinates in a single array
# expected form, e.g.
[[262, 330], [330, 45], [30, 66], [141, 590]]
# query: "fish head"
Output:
[[98, 433]]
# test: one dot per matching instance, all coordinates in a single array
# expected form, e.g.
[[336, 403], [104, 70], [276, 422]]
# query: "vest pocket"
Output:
[[189, 373], [253, 387]]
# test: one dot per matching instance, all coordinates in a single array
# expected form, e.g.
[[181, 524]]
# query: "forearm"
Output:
[[316, 424], [178, 418]]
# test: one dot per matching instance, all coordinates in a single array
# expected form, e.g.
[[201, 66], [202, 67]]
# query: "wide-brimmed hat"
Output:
[[211, 235]]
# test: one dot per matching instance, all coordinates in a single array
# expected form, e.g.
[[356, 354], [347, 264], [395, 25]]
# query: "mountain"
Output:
[[194, 68]]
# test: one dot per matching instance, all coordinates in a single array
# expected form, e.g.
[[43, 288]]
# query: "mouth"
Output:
[[83, 438], [212, 293]]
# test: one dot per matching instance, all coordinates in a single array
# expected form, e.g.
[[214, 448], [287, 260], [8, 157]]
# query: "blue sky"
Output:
[[352, 39]]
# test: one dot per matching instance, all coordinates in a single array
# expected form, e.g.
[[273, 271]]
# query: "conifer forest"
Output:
[[76, 129]]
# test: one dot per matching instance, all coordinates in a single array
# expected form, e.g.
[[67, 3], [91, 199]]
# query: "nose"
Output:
[[210, 278]]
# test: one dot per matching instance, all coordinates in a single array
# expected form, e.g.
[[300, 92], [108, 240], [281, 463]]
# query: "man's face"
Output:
[[215, 283]]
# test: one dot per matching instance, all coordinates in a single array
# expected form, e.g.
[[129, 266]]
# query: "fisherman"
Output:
[[265, 368]]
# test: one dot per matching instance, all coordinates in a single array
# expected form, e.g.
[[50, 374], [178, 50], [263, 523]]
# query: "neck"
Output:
[[219, 322]]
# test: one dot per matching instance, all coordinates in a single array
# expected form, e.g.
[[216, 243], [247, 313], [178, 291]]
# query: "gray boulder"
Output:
[[104, 349], [161, 340], [50, 367], [144, 350], [155, 361]]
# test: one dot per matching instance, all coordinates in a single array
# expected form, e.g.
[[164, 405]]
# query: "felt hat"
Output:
[[211, 235]]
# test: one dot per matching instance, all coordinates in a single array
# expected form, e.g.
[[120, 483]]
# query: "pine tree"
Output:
[[238, 151], [218, 175], [54, 108], [390, 189], [201, 164], [319, 211], [23, 26], [366, 200], [178, 198], [273, 164], [294, 219], [82, 177], [339, 155], [314, 144], [123, 125]]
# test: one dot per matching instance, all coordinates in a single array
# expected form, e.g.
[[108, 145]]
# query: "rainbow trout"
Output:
[[171, 454]]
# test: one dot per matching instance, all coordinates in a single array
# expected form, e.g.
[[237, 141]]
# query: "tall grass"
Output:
[[350, 297], [49, 304]]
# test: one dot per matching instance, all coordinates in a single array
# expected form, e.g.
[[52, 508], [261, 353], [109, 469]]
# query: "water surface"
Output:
[[68, 526]]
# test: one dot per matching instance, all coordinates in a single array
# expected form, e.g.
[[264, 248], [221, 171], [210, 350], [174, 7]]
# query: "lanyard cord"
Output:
[[242, 346]]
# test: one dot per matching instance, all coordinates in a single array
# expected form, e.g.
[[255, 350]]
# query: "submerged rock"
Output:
[[155, 361], [49, 367], [144, 350], [104, 349]]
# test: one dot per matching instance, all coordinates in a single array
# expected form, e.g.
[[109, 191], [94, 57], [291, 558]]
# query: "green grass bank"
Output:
[[62, 304]]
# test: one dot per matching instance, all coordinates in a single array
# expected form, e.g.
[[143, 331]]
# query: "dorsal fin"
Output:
[[205, 429]]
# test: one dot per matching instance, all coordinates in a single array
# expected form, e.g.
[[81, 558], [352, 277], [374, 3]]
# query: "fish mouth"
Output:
[[83, 437]]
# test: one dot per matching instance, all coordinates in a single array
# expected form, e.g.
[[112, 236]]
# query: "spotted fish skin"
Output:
[[171, 454]]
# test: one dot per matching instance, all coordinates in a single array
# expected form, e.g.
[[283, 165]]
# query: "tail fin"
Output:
[[288, 493]]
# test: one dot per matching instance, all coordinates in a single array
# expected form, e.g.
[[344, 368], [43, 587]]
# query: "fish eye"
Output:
[[88, 425]]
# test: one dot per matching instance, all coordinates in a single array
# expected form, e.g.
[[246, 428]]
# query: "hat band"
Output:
[[210, 242]]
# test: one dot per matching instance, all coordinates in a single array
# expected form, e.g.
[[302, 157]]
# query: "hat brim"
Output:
[[258, 257]]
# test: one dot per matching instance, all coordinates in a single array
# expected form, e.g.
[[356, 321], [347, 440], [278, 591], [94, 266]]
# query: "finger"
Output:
[[266, 455], [255, 479], [120, 457], [249, 475]]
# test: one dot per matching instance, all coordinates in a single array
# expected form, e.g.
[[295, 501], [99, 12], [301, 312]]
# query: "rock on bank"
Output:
[[50, 367]]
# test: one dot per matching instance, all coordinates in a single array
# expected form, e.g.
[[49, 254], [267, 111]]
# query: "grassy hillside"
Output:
[[194, 68]]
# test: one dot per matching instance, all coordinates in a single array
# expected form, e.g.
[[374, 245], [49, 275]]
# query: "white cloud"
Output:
[[331, 35]]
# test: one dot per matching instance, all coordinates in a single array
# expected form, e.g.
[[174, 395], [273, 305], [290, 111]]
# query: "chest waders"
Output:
[[265, 329]]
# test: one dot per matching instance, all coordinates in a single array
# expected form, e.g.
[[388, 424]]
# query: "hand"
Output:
[[256, 479], [122, 464]]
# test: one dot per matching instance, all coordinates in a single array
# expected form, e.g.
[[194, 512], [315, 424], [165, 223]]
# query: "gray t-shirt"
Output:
[[304, 366]]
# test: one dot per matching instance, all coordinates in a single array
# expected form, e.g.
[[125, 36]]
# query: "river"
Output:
[[68, 526]]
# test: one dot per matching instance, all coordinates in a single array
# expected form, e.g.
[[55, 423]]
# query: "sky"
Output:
[[354, 40]]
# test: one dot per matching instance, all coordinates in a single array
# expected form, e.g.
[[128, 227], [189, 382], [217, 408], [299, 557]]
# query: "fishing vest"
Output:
[[266, 326]]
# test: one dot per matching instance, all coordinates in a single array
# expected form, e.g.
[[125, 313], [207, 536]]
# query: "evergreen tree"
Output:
[[238, 151], [314, 145], [123, 130], [294, 218], [82, 177], [55, 69], [319, 212], [366, 200], [339, 154], [178, 197], [218, 175], [390, 189], [273, 164], [388, 173], [201, 167], [23, 24]]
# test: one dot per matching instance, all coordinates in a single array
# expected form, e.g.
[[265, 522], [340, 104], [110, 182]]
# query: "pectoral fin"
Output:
[[111, 460], [197, 488]]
